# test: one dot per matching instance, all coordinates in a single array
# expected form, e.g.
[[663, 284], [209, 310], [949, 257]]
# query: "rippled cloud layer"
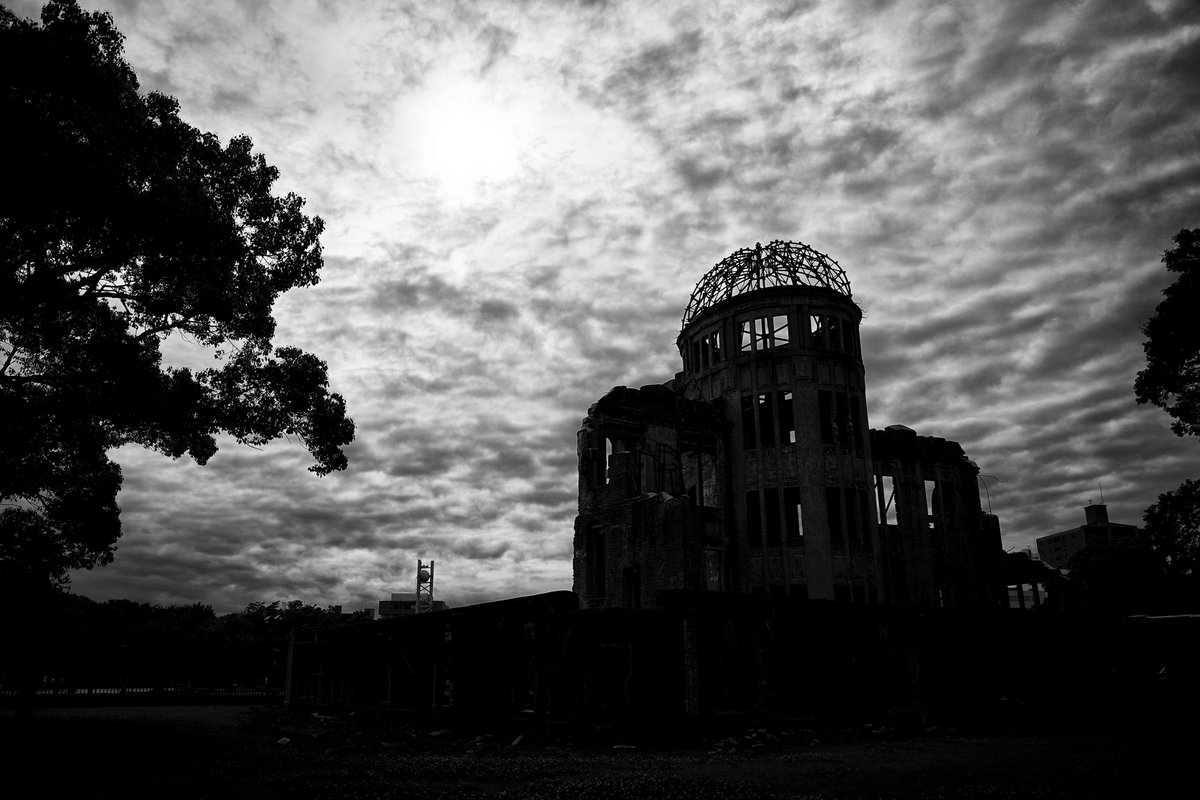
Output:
[[520, 196]]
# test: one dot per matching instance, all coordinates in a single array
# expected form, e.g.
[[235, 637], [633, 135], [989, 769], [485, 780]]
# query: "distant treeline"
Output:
[[81, 643]]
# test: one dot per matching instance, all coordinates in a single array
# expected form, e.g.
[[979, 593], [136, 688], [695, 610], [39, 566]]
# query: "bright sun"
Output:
[[463, 139]]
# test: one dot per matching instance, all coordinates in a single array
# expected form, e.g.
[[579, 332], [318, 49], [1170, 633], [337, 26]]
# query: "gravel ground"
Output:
[[270, 752]]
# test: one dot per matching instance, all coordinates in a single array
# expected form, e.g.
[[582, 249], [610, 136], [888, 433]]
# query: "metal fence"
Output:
[[63, 696]]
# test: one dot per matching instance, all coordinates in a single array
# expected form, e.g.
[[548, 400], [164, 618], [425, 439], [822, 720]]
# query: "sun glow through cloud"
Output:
[[462, 137], [520, 196]]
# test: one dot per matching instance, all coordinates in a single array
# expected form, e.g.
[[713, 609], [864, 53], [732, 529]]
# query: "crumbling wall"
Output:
[[650, 496], [939, 549], [718, 653]]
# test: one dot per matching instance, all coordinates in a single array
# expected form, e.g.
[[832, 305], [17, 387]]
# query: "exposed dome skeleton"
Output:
[[778, 264]]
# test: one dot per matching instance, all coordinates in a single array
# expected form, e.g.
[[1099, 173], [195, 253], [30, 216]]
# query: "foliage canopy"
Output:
[[1125, 578], [121, 224], [1171, 379], [1173, 524], [83, 643]]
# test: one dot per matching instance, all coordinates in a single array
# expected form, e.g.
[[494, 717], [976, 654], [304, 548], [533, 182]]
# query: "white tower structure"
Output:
[[424, 587]]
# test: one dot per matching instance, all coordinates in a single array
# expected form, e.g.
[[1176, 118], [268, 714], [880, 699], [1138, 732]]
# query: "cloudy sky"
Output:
[[520, 196]]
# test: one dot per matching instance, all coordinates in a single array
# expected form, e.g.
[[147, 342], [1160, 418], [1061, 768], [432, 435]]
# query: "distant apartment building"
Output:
[[337, 610], [1057, 549]]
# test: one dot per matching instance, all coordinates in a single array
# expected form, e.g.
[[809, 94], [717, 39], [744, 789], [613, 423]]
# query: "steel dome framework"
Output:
[[751, 268]]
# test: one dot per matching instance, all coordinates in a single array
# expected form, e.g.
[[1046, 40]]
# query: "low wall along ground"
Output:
[[709, 653]]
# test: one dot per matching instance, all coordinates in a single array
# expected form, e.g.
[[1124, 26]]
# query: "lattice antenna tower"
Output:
[[424, 587]]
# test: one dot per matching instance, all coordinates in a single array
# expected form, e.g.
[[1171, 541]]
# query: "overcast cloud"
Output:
[[520, 197]]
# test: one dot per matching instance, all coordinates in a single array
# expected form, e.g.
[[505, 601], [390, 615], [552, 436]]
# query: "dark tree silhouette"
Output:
[[1173, 524], [80, 643], [1171, 379], [1124, 578], [121, 224]]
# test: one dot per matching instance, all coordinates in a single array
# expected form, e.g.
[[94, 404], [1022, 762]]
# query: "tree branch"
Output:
[[164, 327], [11, 354], [115, 295], [44, 379], [91, 283]]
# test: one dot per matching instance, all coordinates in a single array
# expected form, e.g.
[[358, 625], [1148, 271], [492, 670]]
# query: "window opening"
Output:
[[824, 408], [864, 509], [779, 324], [699, 479], [787, 419], [748, 422], [753, 519], [766, 420], [888, 515], [689, 462], [664, 468], [771, 499], [833, 328], [853, 533], [765, 333], [929, 510], [833, 508], [608, 454], [842, 418], [713, 571], [715, 342], [596, 561], [631, 578], [855, 425], [709, 487], [762, 333], [945, 501], [817, 331], [793, 515]]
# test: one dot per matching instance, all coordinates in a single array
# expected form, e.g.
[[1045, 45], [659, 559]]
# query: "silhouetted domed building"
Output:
[[755, 470]]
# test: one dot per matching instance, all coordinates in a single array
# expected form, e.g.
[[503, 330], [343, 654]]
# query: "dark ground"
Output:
[[240, 752]]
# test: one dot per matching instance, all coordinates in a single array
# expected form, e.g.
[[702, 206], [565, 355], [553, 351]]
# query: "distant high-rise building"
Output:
[[1057, 549]]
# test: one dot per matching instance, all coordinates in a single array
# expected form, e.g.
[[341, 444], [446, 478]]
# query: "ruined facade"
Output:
[[755, 470], [940, 547]]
